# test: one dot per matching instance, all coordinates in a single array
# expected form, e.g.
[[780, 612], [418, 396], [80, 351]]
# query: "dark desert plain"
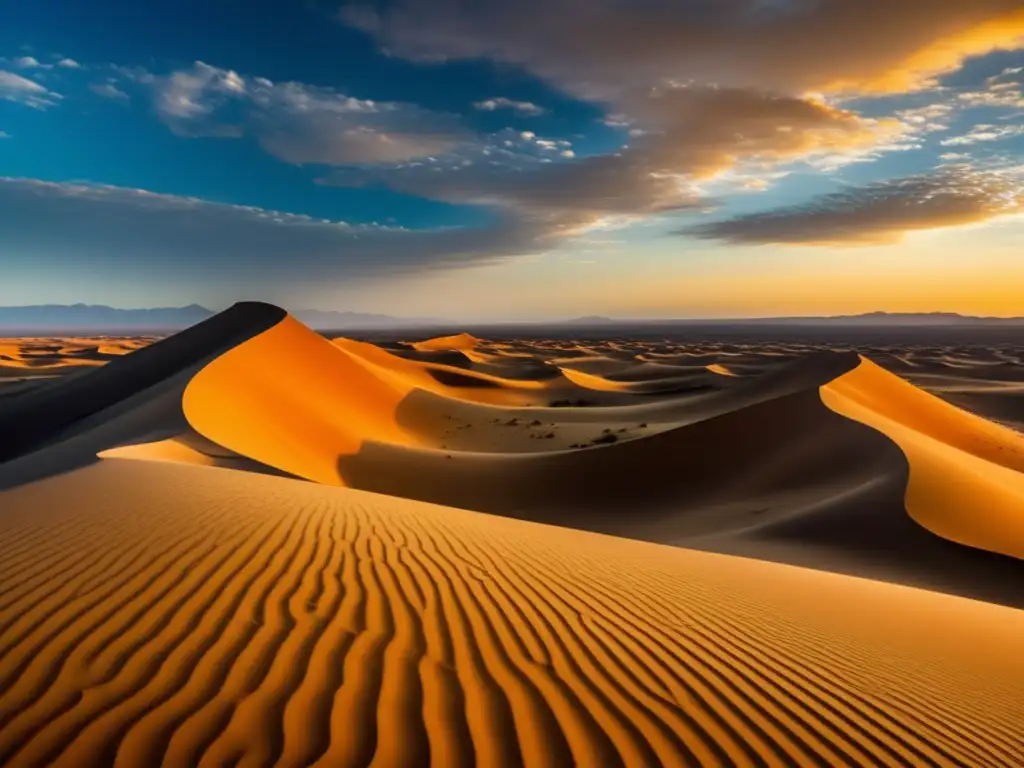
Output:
[[250, 543], [512, 383]]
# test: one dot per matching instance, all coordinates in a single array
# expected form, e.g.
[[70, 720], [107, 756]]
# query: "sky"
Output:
[[542, 159]]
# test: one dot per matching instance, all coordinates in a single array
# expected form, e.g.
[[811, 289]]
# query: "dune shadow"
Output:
[[456, 379], [61, 426]]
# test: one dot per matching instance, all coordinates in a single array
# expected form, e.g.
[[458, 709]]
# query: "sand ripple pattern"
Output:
[[171, 615]]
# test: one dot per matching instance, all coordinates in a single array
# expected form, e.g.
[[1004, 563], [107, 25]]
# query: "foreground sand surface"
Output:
[[250, 544], [185, 615]]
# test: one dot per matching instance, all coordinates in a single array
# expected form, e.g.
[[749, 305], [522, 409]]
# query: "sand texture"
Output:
[[251, 545], [250, 620]]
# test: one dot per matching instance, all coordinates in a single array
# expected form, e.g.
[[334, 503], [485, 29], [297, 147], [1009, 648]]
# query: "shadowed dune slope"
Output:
[[178, 615], [29, 420], [966, 473]]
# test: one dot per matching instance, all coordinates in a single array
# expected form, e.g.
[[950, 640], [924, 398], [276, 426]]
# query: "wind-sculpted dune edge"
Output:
[[162, 614], [966, 479], [44, 415]]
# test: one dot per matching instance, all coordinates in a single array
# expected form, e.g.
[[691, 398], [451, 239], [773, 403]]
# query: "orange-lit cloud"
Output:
[[973, 33], [605, 47], [689, 134]]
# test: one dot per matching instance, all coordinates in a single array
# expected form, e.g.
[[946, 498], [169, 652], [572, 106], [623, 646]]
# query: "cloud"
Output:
[[1002, 91], [522, 107], [701, 88], [108, 91], [932, 118], [695, 134], [21, 90], [4, 135], [878, 213], [985, 133], [298, 123], [116, 230], [69, 64], [602, 48], [27, 62]]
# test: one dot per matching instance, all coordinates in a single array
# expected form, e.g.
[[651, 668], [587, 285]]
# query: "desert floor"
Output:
[[253, 544]]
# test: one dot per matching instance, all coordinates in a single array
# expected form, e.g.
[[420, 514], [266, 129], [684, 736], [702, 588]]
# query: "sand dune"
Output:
[[45, 354], [461, 341], [721, 370], [165, 600], [28, 421], [250, 620], [958, 461]]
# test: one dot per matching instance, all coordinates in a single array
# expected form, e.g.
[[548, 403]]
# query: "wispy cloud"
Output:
[[1002, 91], [296, 122], [142, 233], [21, 90], [879, 213], [522, 107], [985, 133], [108, 91], [69, 64]]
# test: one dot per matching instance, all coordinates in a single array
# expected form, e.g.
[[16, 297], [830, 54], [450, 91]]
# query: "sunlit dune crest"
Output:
[[171, 450], [721, 370], [957, 460], [461, 341], [592, 381]]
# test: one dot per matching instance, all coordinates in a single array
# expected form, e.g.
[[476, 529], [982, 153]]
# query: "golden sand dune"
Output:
[[461, 341], [352, 393], [49, 414], [47, 354], [966, 473], [721, 370], [593, 381], [247, 620]]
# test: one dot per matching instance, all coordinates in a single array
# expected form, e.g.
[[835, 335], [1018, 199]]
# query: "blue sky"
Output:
[[643, 159]]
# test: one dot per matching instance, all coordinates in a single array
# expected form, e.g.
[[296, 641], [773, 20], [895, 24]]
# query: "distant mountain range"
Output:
[[87, 318], [95, 318]]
